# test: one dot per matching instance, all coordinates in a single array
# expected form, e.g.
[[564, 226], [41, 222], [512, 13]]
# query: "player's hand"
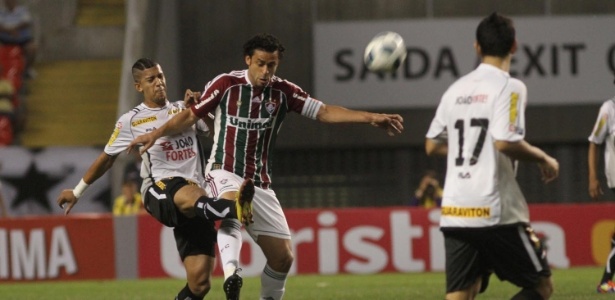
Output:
[[549, 168], [146, 140], [191, 98], [595, 191], [393, 124], [67, 200]]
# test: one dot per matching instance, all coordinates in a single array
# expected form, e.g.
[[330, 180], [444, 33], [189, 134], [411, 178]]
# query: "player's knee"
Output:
[[201, 288], [545, 288], [542, 291], [282, 263]]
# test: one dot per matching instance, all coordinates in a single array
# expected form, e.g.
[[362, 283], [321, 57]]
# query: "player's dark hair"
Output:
[[495, 35], [140, 65], [266, 42]]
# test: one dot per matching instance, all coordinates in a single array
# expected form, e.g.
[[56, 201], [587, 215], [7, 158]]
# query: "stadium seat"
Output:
[[6, 122], [13, 64]]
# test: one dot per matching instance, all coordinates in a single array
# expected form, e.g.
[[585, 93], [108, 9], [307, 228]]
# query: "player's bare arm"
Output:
[[436, 147], [392, 123], [522, 150], [595, 191], [102, 164], [177, 124]]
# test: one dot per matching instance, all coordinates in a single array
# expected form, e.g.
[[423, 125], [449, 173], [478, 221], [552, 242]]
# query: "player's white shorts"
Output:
[[267, 212]]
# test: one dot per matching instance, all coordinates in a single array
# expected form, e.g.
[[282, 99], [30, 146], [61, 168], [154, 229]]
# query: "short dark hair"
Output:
[[264, 41], [495, 35], [140, 65]]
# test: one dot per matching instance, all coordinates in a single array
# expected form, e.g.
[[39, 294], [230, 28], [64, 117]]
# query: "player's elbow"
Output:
[[433, 148], [506, 147]]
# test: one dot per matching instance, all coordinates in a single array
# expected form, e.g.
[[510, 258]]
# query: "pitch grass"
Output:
[[576, 283]]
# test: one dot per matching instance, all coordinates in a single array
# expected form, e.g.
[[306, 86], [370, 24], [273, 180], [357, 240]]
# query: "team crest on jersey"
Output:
[[270, 106]]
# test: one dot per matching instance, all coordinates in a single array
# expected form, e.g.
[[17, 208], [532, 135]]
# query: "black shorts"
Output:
[[193, 236], [513, 252]]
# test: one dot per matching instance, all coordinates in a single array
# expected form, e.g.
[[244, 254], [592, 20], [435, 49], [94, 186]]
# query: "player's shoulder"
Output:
[[516, 83], [609, 102], [283, 84], [139, 109], [225, 80], [232, 76]]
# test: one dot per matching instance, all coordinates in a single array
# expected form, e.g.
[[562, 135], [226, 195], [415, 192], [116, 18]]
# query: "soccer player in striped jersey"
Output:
[[172, 177], [480, 126], [603, 133], [249, 107]]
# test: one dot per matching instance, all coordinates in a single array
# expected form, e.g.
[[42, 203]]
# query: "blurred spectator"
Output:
[[16, 29], [429, 192], [129, 202], [7, 113], [3, 210], [132, 170]]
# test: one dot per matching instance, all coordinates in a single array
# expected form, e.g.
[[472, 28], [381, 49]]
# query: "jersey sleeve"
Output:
[[300, 101], [601, 128], [211, 96], [437, 128], [121, 136], [509, 113]]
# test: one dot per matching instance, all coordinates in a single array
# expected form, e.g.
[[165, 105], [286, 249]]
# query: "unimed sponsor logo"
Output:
[[24, 254], [253, 124]]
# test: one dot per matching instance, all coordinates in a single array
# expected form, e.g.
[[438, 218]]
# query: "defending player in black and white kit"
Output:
[[480, 126], [603, 134], [171, 188]]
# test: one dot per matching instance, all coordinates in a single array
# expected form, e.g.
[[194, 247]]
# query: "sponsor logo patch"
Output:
[[143, 121], [466, 212]]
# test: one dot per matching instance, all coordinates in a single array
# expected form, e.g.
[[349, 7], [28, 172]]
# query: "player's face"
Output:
[[153, 85], [262, 66]]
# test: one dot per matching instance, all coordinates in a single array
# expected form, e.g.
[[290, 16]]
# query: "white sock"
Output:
[[272, 284], [229, 245]]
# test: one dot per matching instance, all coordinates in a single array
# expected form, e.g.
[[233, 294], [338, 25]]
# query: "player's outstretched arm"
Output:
[[392, 123], [69, 197], [177, 124], [593, 154]]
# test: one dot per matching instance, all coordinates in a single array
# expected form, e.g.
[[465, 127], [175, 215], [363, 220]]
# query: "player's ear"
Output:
[[248, 59], [477, 48], [513, 49], [138, 87]]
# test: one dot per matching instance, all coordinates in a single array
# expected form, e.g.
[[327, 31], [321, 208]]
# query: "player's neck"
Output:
[[154, 104], [502, 63]]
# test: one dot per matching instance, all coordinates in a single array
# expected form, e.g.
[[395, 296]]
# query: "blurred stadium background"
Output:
[[87, 46]]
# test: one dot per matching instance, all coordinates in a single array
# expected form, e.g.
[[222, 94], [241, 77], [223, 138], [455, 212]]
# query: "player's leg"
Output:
[[192, 200], [465, 274], [223, 184], [519, 256], [271, 232], [606, 283], [279, 255], [198, 272], [195, 239]]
